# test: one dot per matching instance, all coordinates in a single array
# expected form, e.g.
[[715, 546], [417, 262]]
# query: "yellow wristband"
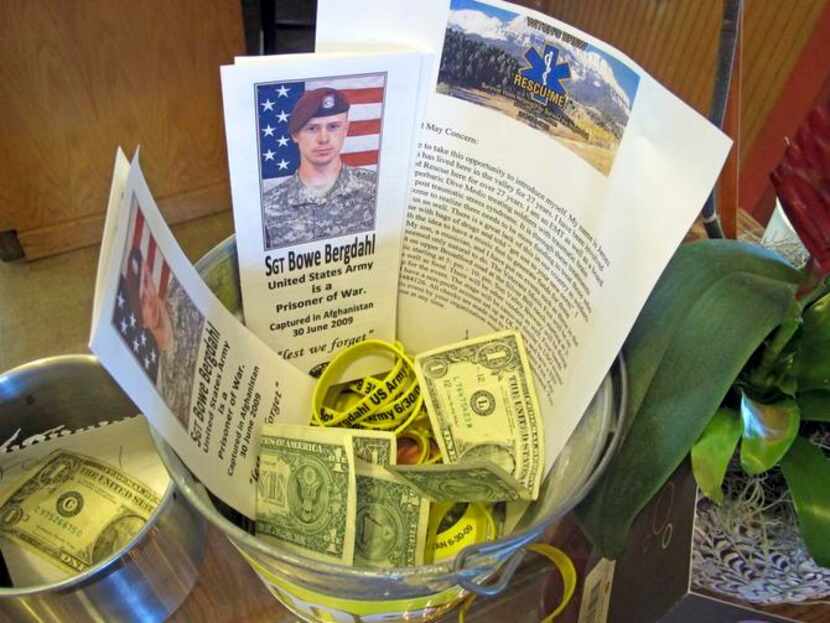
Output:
[[563, 564], [421, 441], [377, 395], [392, 414], [476, 525], [566, 569], [391, 402]]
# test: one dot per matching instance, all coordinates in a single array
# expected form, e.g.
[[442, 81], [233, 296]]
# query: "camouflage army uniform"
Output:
[[177, 365], [294, 214]]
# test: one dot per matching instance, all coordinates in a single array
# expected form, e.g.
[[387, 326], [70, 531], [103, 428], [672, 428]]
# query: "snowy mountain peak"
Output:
[[591, 74]]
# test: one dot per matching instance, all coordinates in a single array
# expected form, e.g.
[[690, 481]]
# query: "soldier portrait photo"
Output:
[[319, 143], [156, 318]]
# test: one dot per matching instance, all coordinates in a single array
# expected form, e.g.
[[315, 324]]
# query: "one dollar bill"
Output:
[[473, 481], [306, 492], [375, 446], [483, 406], [76, 511], [392, 520]]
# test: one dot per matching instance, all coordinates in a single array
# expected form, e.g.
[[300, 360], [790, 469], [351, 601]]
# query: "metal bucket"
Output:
[[317, 591], [148, 578]]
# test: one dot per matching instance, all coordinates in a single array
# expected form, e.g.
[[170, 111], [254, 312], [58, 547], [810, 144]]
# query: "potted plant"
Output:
[[729, 361]]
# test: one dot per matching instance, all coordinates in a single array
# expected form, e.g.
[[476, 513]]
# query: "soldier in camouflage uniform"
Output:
[[176, 325], [324, 198]]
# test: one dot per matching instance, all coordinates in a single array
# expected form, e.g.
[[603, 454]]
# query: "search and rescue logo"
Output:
[[543, 79]]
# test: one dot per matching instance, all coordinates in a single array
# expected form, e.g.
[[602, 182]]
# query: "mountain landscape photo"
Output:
[[486, 47]]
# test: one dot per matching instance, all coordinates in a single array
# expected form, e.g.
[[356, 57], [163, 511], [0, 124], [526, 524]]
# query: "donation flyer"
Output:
[[203, 380], [553, 181], [320, 150]]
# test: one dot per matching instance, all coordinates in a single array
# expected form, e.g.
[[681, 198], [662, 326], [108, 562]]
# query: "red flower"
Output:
[[802, 182]]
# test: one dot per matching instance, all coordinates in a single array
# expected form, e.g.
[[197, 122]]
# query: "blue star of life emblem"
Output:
[[545, 70]]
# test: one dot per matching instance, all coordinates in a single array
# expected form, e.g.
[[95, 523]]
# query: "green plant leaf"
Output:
[[768, 432], [808, 478], [714, 304], [783, 376], [775, 370], [712, 452], [690, 273], [814, 352], [814, 406]]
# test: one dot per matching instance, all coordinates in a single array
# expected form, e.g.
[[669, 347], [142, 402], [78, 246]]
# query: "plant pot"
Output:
[[749, 547]]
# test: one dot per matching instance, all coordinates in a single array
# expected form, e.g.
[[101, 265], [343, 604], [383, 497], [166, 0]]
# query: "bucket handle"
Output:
[[505, 573], [515, 559]]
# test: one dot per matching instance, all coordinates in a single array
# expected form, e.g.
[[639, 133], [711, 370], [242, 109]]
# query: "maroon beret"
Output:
[[317, 103]]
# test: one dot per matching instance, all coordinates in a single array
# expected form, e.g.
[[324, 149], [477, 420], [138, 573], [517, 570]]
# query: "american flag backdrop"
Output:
[[279, 157], [140, 251]]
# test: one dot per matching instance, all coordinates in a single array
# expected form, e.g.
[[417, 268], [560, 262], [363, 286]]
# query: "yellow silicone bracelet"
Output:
[[392, 414], [420, 440], [396, 402], [476, 525], [377, 395], [566, 569]]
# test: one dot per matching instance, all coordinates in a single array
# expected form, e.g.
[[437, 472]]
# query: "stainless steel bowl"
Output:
[[150, 577]]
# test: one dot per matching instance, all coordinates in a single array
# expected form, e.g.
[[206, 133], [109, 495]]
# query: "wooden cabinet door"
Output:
[[81, 77]]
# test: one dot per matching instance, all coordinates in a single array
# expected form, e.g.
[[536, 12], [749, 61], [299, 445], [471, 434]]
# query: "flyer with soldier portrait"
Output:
[[203, 380], [156, 318], [320, 149]]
